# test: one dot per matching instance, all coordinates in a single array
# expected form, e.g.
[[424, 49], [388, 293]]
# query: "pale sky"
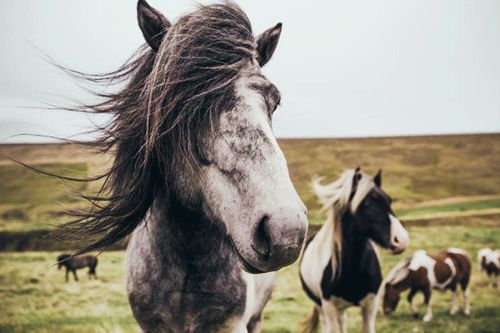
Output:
[[344, 68]]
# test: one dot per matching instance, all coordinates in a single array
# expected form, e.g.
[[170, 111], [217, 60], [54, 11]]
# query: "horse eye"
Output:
[[276, 105]]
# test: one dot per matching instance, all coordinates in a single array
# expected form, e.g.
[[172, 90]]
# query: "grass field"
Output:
[[447, 187], [35, 297]]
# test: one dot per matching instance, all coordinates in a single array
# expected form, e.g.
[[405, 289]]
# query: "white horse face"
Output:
[[243, 183], [247, 185]]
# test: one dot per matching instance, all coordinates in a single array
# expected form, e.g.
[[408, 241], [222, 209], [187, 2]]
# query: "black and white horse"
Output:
[[340, 267], [489, 263], [198, 177]]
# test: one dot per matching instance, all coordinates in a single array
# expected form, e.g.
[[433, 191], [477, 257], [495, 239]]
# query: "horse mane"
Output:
[[394, 276], [166, 102], [337, 198]]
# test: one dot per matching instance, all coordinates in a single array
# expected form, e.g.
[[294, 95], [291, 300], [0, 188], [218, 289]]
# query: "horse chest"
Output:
[[353, 284], [168, 296]]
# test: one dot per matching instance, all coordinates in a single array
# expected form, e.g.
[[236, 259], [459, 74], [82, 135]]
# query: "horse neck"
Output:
[[353, 245], [402, 285], [179, 241], [186, 235]]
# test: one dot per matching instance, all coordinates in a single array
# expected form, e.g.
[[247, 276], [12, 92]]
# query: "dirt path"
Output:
[[444, 215], [448, 201]]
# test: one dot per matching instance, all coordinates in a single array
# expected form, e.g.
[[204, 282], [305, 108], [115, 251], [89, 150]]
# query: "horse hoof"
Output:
[[415, 315], [427, 319], [467, 312]]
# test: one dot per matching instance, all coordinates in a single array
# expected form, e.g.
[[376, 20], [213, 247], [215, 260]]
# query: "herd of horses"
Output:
[[203, 189], [340, 266]]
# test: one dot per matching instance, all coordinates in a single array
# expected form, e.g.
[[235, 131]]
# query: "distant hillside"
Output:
[[415, 169]]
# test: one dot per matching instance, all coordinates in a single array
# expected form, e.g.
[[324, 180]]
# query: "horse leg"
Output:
[[342, 318], [67, 275], [428, 303], [413, 306], [454, 300], [491, 278], [369, 308], [74, 274], [464, 284], [330, 317]]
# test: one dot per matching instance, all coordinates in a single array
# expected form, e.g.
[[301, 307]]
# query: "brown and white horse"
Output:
[[423, 272], [489, 262], [340, 267]]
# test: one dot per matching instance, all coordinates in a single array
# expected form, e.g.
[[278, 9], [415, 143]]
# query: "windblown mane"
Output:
[[169, 101], [395, 275], [336, 200]]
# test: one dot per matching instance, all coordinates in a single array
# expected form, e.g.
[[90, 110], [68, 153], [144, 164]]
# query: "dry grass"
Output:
[[419, 172]]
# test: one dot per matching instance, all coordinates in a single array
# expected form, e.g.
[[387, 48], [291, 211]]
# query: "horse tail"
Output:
[[311, 323]]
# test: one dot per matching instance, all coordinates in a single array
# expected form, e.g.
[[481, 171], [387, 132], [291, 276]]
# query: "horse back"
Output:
[[463, 265]]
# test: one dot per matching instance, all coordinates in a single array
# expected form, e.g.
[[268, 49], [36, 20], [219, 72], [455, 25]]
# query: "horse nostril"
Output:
[[396, 240], [263, 239]]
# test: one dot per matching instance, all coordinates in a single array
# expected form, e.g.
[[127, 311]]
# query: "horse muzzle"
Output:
[[277, 242]]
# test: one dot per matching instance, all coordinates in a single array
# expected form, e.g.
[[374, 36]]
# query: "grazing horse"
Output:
[[73, 263], [198, 179], [340, 267], [489, 262], [424, 272]]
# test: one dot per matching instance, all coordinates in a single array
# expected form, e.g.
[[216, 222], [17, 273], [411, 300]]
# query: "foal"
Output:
[[424, 272], [340, 267], [489, 262], [74, 263]]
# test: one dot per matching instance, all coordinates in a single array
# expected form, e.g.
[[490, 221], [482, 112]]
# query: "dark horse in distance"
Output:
[[73, 263]]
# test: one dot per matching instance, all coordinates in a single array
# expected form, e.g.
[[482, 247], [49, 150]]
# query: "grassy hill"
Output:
[[425, 175]]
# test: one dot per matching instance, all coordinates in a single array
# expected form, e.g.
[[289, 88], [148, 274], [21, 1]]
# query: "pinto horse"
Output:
[[422, 273], [340, 267], [489, 262], [198, 178], [73, 263]]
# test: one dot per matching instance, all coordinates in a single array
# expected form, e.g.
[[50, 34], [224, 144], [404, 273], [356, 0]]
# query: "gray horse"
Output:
[[198, 178]]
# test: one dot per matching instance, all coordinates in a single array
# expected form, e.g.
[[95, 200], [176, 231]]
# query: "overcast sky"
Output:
[[344, 68]]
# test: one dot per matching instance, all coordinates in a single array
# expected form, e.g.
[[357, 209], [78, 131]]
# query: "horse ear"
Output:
[[378, 178], [152, 23], [266, 44], [355, 180]]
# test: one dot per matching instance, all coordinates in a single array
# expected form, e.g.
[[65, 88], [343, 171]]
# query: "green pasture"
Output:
[[35, 297]]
